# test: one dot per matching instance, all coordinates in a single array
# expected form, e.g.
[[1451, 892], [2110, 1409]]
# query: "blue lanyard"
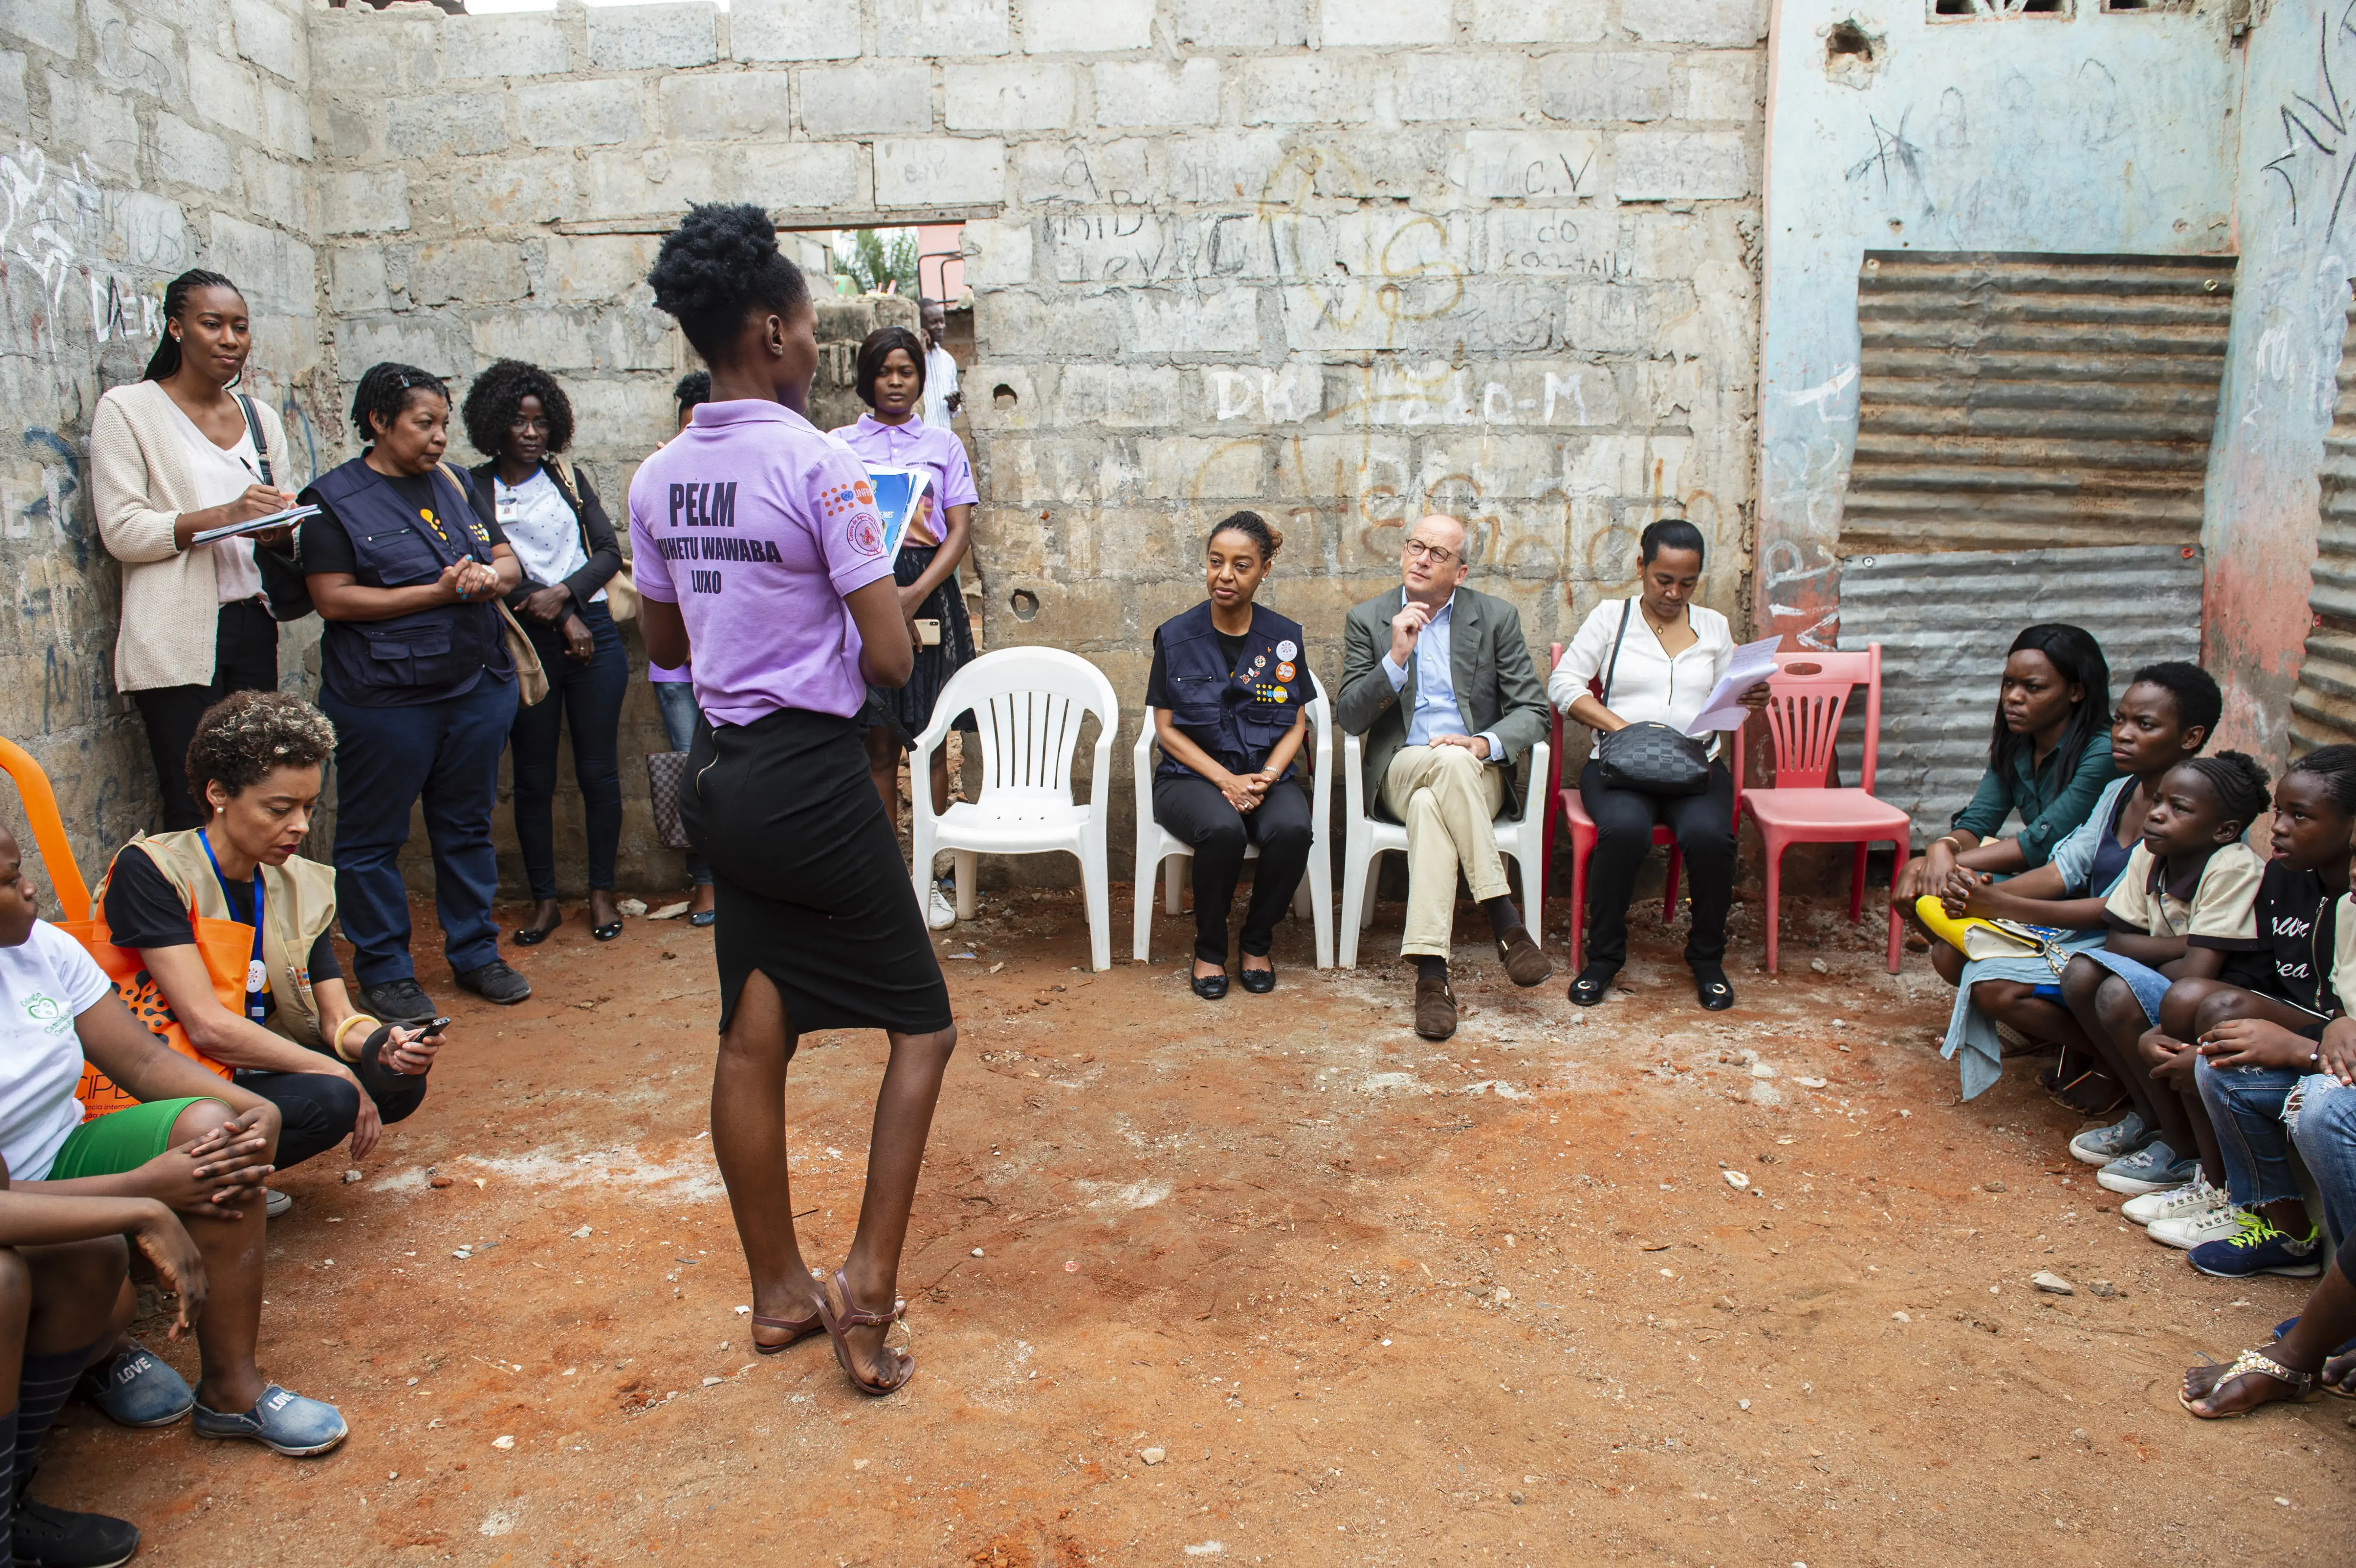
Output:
[[257, 973]]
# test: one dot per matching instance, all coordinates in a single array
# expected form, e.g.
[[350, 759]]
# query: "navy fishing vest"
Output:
[[430, 654], [1238, 715]]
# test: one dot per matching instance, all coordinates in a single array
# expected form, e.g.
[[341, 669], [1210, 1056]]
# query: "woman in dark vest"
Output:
[[1227, 688], [407, 570]]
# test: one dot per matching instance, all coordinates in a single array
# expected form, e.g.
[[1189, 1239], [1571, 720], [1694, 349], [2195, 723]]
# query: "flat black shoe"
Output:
[[495, 982], [46, 1537], [533, 935], [1211, 987], [1260, 982], [401, 1001], [1709, 986], [606, 933], [1594, 983]]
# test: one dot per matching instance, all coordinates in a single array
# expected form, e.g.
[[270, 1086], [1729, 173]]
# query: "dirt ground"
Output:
[[1365, 1300]]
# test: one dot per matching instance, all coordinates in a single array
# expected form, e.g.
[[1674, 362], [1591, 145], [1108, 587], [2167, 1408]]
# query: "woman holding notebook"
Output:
[[172, 455], [890, 381]]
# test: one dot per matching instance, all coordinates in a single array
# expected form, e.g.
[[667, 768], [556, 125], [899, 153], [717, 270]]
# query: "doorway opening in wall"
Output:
[[2032, 442], [1993, 10]]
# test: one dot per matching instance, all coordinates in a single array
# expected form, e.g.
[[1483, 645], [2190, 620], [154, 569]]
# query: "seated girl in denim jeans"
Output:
[[2184, 908], [2224, 1057]]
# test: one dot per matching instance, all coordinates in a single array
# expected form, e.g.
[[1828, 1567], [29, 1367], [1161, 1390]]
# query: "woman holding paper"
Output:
[[173, 456], [1655, 656], [891, 381]]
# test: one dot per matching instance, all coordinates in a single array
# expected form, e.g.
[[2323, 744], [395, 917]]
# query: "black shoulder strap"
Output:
[[253, 429], [1609, 674]]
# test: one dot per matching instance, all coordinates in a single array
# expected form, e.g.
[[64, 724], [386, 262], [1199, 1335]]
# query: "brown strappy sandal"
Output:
[[797, 1331], [800, 1329], [853, 1317]]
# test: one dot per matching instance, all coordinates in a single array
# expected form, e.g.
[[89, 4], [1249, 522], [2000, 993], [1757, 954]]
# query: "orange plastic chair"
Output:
[[1809, 692], [1583, 834], [49, 834]]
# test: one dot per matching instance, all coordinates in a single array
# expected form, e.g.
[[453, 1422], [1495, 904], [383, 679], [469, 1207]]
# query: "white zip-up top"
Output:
[[1649, 685]]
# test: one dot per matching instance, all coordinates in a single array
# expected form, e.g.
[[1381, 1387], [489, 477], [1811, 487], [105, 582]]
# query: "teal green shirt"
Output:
[[2052, 800]]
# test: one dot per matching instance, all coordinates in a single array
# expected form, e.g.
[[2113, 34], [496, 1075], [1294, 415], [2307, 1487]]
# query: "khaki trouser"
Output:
[[1449, 798]]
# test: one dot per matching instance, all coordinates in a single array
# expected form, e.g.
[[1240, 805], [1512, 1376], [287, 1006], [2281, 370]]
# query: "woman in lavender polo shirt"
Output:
[[891, 381], [761, 566]]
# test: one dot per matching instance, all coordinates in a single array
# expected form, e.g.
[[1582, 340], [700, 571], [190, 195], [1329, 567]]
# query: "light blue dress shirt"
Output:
[[1436, 713]]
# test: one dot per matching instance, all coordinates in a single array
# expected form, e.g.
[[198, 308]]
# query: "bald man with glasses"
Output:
[[1438, 680]]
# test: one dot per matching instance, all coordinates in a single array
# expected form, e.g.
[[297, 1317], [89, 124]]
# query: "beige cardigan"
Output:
[[140, 483]]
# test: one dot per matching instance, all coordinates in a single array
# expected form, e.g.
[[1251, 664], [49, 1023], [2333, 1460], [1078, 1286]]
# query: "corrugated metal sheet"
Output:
[[2323, 707], [1944, 621], [2029, 401]]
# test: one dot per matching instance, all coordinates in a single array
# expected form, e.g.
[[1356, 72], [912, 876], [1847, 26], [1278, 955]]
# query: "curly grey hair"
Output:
[[247, 734]]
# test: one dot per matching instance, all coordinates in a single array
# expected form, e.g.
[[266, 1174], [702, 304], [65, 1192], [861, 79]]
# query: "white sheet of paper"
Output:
[[1752, 662]]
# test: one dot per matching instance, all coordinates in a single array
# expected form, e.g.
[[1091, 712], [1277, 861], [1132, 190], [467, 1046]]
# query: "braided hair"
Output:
[[2242, 788], [245, 736], [499, 391], [872, 352], [2336, 767], [1253, 526], [384, 392], [164, 363], [717, 267]]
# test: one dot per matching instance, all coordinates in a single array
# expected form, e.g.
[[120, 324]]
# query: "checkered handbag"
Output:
[[666, 772], [1650, 757]]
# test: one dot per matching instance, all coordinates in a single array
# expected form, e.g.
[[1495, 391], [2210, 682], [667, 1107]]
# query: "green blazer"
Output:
[[1497, 687]]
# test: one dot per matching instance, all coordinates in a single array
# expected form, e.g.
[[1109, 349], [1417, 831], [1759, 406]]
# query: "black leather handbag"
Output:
[[1650, 757]]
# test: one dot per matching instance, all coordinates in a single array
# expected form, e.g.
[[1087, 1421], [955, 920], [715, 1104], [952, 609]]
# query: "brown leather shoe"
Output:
[[1435, 1009], [1525, 965]]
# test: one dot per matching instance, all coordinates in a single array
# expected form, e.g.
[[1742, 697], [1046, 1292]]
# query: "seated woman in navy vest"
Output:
[[406, 568], [1228, 685]]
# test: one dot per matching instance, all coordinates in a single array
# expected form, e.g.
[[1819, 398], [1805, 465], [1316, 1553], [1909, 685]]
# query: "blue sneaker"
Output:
[[2154, 1167], [2346, 1346], [136, 1390], [281, 1422], [2259, 1247], [2100, 1146]]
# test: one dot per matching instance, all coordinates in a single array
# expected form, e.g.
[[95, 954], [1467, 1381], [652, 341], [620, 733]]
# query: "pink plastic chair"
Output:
[[1582, 837], [1809, 692]]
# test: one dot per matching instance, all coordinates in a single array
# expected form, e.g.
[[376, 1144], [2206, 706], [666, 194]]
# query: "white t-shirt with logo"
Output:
[[44, 986]]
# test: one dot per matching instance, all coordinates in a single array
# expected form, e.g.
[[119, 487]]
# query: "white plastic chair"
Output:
[[1158, 847], [1029, 703], [1521, 839]]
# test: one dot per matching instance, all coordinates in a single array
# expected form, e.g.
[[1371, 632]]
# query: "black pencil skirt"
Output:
[[806, 876]]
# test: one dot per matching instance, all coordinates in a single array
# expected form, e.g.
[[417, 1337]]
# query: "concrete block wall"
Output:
[[1341, 260], [136, 141]]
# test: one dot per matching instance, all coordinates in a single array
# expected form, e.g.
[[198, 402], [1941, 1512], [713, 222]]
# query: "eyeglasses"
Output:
[[1439, 555]]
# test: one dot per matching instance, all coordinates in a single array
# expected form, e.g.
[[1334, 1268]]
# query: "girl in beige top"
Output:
[[173, 456]]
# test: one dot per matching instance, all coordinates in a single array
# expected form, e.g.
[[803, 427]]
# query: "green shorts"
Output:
[[121, 1140]]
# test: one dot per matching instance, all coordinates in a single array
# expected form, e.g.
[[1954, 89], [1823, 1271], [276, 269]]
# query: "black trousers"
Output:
[[1703, 826], [1194, 811], [245, 658], [317, 1110], [587, 697]]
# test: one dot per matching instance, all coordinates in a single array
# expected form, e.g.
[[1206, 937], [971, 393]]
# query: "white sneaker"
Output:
[[939, 913], [2177, 1203], [2189, 1231]]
